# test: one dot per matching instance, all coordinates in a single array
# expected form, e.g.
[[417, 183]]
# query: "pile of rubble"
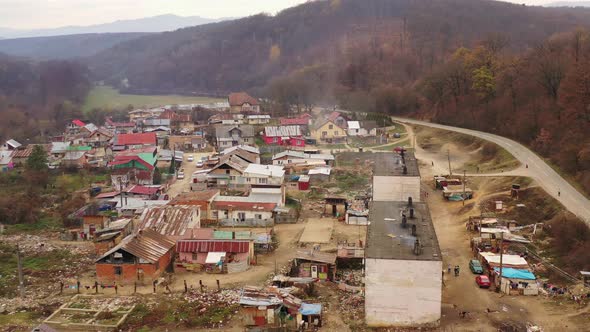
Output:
[[352, 306], [225, 296], [350, 277], [29, 304]]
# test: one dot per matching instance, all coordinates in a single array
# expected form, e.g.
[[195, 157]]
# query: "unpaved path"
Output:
[[537, 169], [462, 294]]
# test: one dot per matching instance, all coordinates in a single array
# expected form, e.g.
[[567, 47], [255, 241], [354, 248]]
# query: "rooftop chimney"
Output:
[[417, 247], [414, 230], [410, 201], [411, 213], [404, 221]]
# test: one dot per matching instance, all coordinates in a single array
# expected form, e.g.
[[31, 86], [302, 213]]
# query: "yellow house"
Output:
[[328, 132]]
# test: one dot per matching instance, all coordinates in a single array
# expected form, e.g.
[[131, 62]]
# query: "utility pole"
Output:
[[501, 255], [21, 281], [121, 189], [449, 158], [464, 196]]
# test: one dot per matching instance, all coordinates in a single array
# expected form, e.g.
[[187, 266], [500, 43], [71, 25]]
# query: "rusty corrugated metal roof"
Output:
[[147, 245], [170, 220]]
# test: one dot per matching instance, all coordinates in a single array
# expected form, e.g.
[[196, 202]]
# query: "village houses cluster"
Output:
[[222, 218]]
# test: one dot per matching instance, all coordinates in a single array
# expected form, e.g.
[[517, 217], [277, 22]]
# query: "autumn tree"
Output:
[[37, 161]]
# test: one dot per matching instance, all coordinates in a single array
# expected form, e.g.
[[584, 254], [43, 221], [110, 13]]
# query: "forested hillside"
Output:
[[408, 36], [540, 97], [37, 99]]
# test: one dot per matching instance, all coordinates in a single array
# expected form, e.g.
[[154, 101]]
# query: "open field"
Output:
[[107, 97]]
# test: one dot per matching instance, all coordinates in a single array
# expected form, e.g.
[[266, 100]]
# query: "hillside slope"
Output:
[[64, 47], [247, 53]]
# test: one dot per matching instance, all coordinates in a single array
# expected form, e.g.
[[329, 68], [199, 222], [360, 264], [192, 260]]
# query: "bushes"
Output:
[[570, 239]]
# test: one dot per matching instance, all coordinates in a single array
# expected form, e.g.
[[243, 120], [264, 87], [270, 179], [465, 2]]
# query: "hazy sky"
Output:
[[31, 14]]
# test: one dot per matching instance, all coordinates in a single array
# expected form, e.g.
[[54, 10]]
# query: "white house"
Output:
[[264, 175]]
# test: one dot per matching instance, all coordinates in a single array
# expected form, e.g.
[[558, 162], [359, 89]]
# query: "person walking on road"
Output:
[[449, 269]]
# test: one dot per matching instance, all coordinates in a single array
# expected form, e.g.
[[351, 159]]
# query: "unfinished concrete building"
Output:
[[403, 263], [396, 177]]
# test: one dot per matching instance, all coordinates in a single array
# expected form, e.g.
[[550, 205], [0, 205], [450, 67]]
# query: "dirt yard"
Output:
[[318, 230], [488, 311]]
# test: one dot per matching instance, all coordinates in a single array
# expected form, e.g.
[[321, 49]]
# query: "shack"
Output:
[[146, 254], [229, 256], [516, 281], [457, 192], [335, 206], [108, 237], [314, 264], [270, 307], [311, 314]]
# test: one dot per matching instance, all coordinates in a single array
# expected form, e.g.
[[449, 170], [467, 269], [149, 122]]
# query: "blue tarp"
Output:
[[509, 272], [310, 309]]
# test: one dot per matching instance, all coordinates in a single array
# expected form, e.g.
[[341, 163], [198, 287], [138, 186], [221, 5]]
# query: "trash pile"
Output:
[[352, 306], [225, 296], [17, 304], [350, 277]]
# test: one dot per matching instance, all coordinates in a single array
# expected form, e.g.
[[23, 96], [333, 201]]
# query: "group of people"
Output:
[[456, 270]]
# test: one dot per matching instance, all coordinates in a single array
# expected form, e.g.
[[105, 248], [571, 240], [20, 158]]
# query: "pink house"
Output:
[[284, 135]]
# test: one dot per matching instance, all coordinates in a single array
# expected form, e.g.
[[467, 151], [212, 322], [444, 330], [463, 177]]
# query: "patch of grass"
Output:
[[331, 146], [108, 98], [25, 319], [350, 181], [390, 146], [45, 223]]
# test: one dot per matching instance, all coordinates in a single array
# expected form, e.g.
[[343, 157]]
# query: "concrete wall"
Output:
[[403, 292], [396, 188]]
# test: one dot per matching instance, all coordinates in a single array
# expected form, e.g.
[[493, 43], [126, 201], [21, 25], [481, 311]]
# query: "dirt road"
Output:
[[182, 185], [542, 173], [462, 294]]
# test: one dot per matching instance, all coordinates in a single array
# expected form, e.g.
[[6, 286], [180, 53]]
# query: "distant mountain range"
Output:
[[64, 47], [159, 23], [569, 4]]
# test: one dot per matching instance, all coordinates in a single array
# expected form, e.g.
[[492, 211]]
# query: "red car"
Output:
[[483, 281]]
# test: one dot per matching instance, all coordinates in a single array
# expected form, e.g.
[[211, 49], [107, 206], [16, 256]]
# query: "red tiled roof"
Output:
[[240, 98], [143, 190], [333, 116], [245, 206], [175, 117], [110, 122], [78, 123], [136, 139], [294, 121]]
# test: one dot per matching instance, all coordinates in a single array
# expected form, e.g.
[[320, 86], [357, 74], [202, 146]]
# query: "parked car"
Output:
[[190, 158], [397, 135], [475, 266], [483, 281], [200, 164], [180, 174]]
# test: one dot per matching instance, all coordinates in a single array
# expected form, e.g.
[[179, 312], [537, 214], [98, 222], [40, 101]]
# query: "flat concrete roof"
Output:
[[387, 239], [392, 164]]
